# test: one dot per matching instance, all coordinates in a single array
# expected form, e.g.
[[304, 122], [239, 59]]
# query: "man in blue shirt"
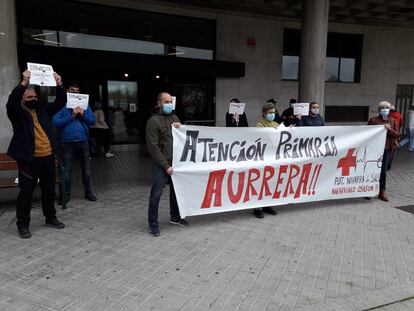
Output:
[[74, 129]]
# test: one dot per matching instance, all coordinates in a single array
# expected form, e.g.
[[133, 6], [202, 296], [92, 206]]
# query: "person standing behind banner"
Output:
[[287, 115], [313, 119], [74, 125], [100, 130], [34, 147], [398, 118], [392, 134], [160, 147], [235, 120], [268, 117], [278, 118]]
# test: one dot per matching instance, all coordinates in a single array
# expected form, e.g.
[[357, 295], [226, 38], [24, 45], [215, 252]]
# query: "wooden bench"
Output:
[[9, 164]]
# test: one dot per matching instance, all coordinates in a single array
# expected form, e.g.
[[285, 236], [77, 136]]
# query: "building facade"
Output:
[[359, 53]]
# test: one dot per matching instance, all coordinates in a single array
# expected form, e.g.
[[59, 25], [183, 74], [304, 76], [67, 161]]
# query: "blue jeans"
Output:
[[159, 179], [69, 151], [385, 160], [411, 143]]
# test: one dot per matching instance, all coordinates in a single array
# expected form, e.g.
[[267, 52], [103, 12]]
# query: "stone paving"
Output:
[[334, 255]]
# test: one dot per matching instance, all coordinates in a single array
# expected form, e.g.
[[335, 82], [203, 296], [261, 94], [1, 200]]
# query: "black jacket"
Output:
[[22, 145], [242, 120]]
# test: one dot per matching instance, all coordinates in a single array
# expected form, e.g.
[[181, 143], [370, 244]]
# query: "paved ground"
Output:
[[334, 255]]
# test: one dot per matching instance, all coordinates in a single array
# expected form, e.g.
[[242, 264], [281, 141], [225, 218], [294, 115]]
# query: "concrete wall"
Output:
[[9, 74], [387, 60]]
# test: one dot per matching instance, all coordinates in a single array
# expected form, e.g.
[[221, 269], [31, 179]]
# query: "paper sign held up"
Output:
[[301, 108], [41, 74], [236, 108], [77, 100]]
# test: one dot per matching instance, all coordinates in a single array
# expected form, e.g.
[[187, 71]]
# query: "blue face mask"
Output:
[[384, 113], [167, 108], [270, 116]]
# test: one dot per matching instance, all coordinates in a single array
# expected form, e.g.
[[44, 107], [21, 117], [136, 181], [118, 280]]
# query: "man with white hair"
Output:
[[392, 134], [33, 146]]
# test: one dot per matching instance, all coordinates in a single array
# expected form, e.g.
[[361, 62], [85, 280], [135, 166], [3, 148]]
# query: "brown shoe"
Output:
[[382, 196]]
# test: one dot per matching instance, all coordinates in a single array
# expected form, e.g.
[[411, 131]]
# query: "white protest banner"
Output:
[[77, 100], [301, 108], [227, 169], [236, 108], [41, 74]]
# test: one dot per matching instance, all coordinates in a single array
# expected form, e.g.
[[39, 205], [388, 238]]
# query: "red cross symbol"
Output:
[[347, 162]]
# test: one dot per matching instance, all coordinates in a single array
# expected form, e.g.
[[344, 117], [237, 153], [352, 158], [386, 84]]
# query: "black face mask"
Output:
[[31, 104]]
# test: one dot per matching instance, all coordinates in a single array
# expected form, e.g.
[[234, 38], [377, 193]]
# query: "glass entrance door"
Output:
[[122, 111]]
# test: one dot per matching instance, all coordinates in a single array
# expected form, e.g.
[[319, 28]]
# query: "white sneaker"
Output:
[[109, 155]]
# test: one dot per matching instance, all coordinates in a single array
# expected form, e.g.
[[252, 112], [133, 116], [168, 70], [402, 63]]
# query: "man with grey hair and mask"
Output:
[[392, 134], [33, 146]]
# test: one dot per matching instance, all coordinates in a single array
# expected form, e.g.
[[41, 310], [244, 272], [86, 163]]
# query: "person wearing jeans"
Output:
[[160, 147], [159, 179], [74, 125]]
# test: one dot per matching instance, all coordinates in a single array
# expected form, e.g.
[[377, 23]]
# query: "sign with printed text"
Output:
[[77, 100], [174, 100], [236, 108], [301, 108], [230, 169], [41, 74]]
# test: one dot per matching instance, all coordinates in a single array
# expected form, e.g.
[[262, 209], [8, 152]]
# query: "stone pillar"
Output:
[[314, 31], [9, 70]]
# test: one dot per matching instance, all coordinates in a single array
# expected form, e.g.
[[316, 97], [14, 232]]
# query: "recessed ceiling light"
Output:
[[126, 75]]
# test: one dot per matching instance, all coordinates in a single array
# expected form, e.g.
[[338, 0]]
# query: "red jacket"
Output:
[[398, 120], [392, 134], [397, 116]]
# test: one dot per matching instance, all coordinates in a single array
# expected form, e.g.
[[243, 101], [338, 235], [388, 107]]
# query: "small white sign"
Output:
[[174, 99], [41, 74], [301, 108], [77, 100], [132, 107], [236, 108]]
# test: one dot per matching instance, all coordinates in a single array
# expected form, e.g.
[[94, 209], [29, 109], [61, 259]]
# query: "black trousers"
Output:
[[42, 168]]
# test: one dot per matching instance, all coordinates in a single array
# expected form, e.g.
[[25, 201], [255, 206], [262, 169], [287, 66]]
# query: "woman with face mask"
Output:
[[392, 134], [313, 119], [268, 117]]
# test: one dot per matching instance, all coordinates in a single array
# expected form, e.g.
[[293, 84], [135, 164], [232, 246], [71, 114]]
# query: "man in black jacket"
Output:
[[235, 120], [33, 146]]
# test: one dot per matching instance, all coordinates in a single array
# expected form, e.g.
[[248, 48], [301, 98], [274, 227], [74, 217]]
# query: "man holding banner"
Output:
[[392, 134], [160, 147]]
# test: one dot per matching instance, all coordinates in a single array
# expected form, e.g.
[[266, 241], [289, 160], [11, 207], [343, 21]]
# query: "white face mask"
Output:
[[384, 112], [315, 110]]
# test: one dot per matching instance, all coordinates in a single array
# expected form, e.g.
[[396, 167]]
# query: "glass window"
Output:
[[290, 69], [347, 70], [185, 51], [123, 114], [343, 56], [84, 41], [331, 69]]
